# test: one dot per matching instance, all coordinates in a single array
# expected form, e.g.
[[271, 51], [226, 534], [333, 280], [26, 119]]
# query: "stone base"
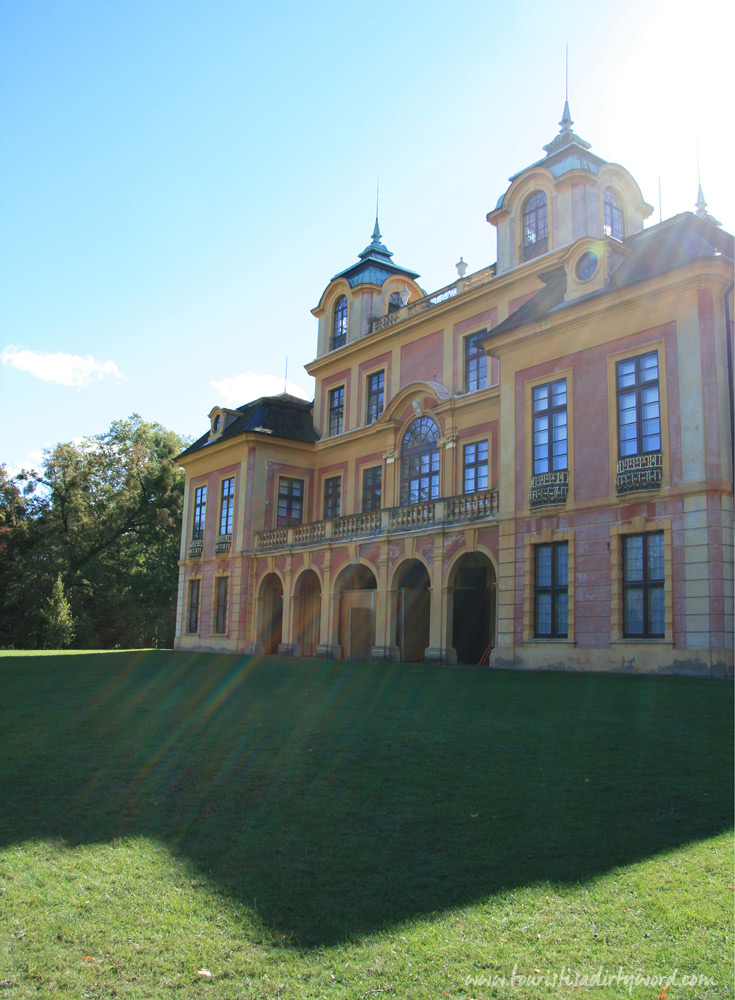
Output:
[[441, 654], [256, 648], [386, 654], [289, 649], [328, 651]]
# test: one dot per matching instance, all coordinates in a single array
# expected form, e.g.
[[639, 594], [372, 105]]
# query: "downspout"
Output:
[[729, 336]]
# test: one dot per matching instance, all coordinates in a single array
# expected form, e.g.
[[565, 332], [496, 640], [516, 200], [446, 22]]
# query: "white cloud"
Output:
[[65, 369], [239, 389]]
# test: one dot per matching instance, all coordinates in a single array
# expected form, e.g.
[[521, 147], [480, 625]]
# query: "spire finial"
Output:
[[376, 231], [566, 136], [700, 204]]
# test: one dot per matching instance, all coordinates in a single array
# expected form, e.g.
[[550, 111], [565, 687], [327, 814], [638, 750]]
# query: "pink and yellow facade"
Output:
[[531, 467]]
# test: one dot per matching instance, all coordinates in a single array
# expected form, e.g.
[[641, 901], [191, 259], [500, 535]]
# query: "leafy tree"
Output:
[[104, 516]]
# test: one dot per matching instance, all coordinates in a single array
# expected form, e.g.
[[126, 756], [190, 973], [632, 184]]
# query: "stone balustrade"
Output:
[[392, 520]]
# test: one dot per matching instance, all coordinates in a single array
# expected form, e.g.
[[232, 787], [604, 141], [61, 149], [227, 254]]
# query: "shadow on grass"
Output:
[[339, 798]]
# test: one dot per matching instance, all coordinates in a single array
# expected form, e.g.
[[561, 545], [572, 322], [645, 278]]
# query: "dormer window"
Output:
[[614, 222], [339, 325], [535, 227]]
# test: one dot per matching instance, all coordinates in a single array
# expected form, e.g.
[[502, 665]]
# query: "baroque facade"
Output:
[[531, 467]]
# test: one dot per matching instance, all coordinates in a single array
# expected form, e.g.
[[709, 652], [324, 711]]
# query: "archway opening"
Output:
[[271, 613], [356, 586], [473, 607], [413, 611], [307, 606]]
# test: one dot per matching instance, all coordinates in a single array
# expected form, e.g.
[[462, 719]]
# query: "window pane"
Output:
[[562, 564], [655, 556], [633, 558], [543, 614], [656, 610], [562, 602], [543, 565], [634, 611]]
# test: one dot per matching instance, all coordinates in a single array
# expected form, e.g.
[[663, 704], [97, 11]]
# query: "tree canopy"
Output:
[[89, 544]]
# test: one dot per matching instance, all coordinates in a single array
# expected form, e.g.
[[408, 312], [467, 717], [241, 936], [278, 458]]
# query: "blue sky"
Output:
[[179, 181]]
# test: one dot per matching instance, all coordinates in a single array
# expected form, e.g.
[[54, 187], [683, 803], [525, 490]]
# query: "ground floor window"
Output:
[[551, 590], [644, 604], [220, 608], [192, 612]]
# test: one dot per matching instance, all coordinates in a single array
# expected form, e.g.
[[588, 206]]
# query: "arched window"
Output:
[[394, 302], [614, 220], [339, 325], [535, 226], [420, 461]]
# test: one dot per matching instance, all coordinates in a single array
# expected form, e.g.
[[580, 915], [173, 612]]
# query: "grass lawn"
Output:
[[185, 825]]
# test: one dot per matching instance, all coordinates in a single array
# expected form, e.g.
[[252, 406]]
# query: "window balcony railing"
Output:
[[528, 251], [196, 546], [639, 472], [549, 488], [392, 520], [223, 544], [482, 277], [339, 341]]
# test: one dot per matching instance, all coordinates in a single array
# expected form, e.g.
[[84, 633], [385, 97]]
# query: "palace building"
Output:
[[531, 467]]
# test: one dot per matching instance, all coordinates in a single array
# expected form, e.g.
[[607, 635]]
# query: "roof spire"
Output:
[[376, 231], [701, 205], [566, 137]]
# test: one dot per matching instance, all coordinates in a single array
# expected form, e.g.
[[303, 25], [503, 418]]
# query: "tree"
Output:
[[104, 516]]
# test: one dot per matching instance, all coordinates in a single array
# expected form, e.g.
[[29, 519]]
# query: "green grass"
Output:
[[315, 829]]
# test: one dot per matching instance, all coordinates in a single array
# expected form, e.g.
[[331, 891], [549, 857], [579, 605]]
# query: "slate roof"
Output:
[[282, 416], [678, 242]]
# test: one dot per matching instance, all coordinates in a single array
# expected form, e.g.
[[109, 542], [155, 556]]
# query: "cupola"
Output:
[[570, 194]]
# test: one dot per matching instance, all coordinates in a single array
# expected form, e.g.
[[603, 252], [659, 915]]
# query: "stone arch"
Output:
[[355, 590], [306, 612], [270, 613], [412, 617], [472, 580]]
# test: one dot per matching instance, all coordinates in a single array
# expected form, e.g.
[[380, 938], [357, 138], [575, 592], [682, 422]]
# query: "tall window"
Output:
[[551, 591], [336, 410], [227, 506], [200, 510], [550, 427], [394, 302], [192, 607], [420, 461], [535, 226], [475, 467], [475, 363], [375, 396], [614, 224], [339, 323], [332, 496], [639, 414], [372, 483], [290, 502], [643, 585], [220, 607]]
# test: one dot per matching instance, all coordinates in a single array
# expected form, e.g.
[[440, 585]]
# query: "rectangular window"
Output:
[[290, 502], [227, 506], [336, 410], [332, 494], [372, 483], [475, 363], [375, 395], [551, 590], [639, 414], [221, 587], [550, 427], [200, 508], [475, 467], [192, 607], [643, 586]]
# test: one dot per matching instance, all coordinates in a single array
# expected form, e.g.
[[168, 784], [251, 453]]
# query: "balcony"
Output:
[[639, 472], [549, 488], [449, 511], [482, 277], [196, 547]]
